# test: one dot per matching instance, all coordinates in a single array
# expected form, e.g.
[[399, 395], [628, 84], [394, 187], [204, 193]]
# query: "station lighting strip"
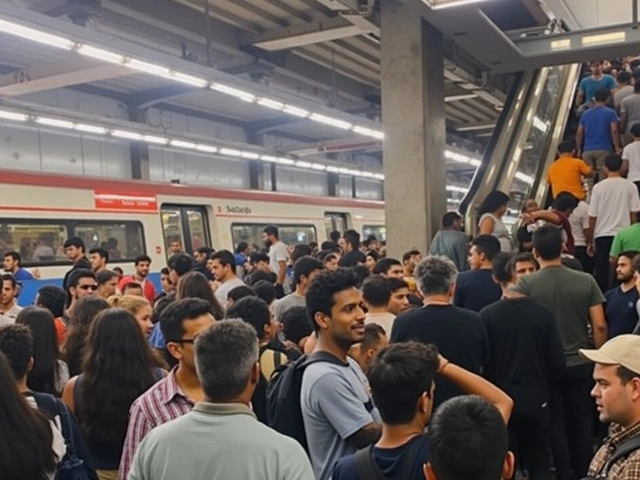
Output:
[[178, 143], [184, 78], [475, 162]]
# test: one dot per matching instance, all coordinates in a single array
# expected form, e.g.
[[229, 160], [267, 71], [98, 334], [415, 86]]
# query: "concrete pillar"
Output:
[[414, 127]]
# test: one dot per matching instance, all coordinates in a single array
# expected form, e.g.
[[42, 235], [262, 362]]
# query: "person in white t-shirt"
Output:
[[631, 157], [278, 255], [579, 221], [223, 268], [614, 205]]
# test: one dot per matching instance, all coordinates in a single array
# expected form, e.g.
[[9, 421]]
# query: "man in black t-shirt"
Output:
[[526, 355], [352, 256], [476, 289], [458, 334]]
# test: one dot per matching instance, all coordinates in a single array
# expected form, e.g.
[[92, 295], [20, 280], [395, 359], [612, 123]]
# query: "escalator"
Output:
[[532, 124]]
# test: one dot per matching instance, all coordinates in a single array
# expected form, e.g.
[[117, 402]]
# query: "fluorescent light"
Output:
[[267, 102], [442, 4], [285, 161], [268, 158], [155, 139], [231, 152], [100, 54], [250, 155], [298, 112], [456, 188], [368, 132], [474, 162], [303, 164], [19, 117], [182, 144], [378, 176], [126, 134], [333, 169], [36, 35], [147, 67], [564, 44], [189, 79], [81, 127], [206, 148], [318, 166], [54, 122], [367, 174], [457, 98], [604, 39], [334, 122], [241, 94]]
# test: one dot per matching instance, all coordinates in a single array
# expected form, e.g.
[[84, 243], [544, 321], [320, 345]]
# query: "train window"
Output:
[[38, 242], [289, 234], [378, 231], [123, 240], [335, 222], [185, 228]]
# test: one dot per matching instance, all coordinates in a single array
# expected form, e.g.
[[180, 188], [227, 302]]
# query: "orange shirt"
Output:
[[565, 175], [60, 330]]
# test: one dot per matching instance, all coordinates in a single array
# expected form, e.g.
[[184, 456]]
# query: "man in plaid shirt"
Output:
[[617, 395]]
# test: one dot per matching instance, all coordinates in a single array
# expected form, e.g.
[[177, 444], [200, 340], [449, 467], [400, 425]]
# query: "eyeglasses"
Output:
[[88, 287]]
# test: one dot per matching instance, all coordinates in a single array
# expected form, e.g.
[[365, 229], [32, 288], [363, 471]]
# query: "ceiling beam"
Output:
[[53, 76], [147, 98]]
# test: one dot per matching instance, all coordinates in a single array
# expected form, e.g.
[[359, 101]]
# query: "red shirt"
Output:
[[147, 287]]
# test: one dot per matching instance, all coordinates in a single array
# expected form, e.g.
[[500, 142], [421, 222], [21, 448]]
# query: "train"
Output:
[[39, 211]]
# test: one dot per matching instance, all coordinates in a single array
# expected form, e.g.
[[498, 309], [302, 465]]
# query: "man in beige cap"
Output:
[[617, 394]]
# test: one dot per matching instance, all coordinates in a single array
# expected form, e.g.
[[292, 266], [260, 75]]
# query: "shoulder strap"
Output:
[[624, 449], [277, 359], [367, 468], [410, 456]]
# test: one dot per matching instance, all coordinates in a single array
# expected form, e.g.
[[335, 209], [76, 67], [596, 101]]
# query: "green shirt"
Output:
[[569, 294], [627, 239]]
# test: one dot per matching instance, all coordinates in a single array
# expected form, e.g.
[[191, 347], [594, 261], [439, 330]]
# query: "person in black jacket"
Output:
[[75, 250], [526, 357], [16, 343]]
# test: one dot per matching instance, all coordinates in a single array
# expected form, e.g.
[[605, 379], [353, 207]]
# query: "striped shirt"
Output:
[[163, 402]]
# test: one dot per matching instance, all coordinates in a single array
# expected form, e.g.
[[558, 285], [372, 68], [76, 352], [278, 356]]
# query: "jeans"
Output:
[[530, 435], [572, 422], [604, 272]]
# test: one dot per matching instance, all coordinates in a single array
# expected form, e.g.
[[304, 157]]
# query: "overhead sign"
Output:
[[125, 201]]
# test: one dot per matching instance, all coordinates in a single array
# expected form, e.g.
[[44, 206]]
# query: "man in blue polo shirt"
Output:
[[598, 134], [620, 309]]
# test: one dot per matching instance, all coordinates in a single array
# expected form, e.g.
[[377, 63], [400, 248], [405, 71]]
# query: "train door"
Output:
[[185, 228], [334, 221]]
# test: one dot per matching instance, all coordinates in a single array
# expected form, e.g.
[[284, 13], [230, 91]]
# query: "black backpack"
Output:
[[284, 413], [623, 450], [70, 467]]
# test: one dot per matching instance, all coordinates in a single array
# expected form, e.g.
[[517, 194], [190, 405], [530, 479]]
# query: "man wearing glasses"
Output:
[[176, 394], [80, 283]]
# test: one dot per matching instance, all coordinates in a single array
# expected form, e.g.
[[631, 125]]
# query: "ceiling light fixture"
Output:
[[36, 35], [334, 122]]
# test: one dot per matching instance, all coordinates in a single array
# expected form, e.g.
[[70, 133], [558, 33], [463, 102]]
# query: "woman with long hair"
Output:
[[49, 373], [196, 285], [139, 307], [83, 315], [27, 436], [117, 368], [491, 212]]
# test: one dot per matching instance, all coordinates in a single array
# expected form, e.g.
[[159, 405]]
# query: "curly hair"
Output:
[[83, 315], [118, 367], [321, 292]]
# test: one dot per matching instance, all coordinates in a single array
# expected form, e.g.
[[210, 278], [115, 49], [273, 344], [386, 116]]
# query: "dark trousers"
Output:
[[604, 272], [572, 422], [530, 436], [585, 260]]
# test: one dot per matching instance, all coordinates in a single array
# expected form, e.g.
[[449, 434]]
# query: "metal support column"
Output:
[[139, 151], [414, 126]]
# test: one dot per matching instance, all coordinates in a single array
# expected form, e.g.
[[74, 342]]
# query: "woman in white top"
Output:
[[30, 445], [491, 212]]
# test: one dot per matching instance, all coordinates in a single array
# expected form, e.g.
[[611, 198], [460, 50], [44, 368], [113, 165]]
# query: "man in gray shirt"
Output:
[[304, 270], [221, 439], [451, 242], [338, 413], [630, 111]]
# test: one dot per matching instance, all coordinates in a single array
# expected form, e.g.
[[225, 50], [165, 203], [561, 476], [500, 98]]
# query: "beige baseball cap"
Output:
[[622, 350]]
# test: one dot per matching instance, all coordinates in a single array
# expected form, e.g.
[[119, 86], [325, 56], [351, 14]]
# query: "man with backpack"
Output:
[[16, 343], [617, 395], [402, 384], [337, 410]]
